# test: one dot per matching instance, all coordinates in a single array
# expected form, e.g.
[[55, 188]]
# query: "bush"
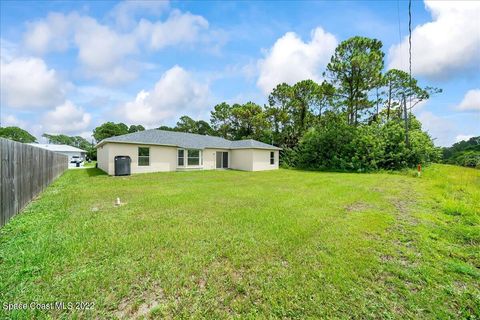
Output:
[[287, 158], [464, 153], [466, 158], [334, 144], [422, 149], [367, 148], [395, 150], [327, 146]]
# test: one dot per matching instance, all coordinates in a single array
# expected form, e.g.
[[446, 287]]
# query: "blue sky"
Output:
[[67, 67]]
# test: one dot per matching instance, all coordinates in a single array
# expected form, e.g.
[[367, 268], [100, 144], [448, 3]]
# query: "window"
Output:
[[272, 157], [143, 156], [181, 157], [194, 157], [189, 157]]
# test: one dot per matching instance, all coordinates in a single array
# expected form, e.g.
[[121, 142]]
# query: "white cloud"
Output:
[[50, 34], [471, 101], [176, 92], [179, 28], [291, 60], [106, 52], [12, 121], [448, 44], [66, 118], [28, 83], [86, 135], [8, 50], [102, 51], [440, 128], [125, 12], [421, 105], [462, 137]]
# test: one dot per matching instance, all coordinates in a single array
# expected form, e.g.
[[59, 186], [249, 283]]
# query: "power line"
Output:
[[410, 48], [399, 30]]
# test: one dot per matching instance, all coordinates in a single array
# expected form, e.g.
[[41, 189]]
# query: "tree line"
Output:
[[358, 118], [106, 130], [464, 153]]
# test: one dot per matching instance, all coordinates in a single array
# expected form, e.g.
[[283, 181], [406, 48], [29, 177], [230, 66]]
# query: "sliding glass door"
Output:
[[222, 160]]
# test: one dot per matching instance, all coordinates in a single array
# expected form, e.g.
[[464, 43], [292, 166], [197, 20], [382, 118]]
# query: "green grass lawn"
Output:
[[89, 164], [224, 244]]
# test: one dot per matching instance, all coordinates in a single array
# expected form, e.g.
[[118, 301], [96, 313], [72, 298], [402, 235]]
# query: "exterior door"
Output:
[[221, 160], [225, 160]]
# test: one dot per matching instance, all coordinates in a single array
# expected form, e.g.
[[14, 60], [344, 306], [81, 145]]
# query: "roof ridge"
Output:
[[197, 134], [129, 133]]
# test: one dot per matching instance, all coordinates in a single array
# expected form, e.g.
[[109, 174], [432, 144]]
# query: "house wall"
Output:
[[102, 158], [241, 159], [210, 158], [162, 158], [261, 160]]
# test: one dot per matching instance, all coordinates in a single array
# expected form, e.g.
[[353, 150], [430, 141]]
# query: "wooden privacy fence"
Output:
[[24, 172]]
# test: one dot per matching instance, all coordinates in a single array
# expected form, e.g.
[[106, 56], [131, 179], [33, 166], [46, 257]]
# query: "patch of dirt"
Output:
[[405, 262], [372, 235], [358, 207], [402, 203], [202, 283], [99, 206], [413, 287], [221, 267], [145, 308], [386, 258], [221, 272], [402, 206], [460, 286], [403, 238], [401, 260], [127, 309]]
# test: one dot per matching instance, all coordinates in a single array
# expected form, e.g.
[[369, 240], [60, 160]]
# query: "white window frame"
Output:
[[186, 156], [143, 157], [182, 157], [272, 158]]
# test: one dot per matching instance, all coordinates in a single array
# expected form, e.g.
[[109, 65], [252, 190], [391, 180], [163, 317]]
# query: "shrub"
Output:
[[327, 146], [333, 144]]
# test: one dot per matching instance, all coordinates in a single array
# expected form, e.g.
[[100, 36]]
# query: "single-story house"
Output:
[[158, 150], [74, 154]]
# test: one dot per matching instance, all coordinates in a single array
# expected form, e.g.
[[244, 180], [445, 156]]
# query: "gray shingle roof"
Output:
[[185, 140], [250, 143]]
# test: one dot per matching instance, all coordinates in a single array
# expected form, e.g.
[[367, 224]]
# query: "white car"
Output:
[[76, 159]]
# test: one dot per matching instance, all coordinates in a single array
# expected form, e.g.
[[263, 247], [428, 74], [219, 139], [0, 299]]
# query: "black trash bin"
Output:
[[77, 164], [122, 165]]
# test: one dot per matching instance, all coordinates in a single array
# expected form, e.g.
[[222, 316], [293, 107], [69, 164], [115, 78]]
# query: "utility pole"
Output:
[[405, 115], [405, 112]]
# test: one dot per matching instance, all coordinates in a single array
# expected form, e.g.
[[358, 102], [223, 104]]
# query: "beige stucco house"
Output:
[[159, 150]]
